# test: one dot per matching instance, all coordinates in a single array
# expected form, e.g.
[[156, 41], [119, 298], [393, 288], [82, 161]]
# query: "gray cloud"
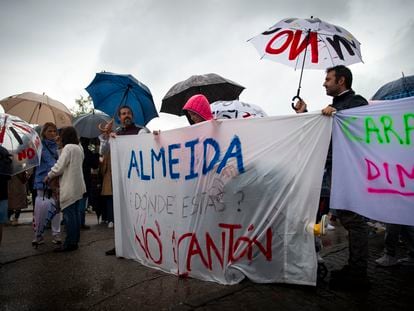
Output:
[[57, 46]]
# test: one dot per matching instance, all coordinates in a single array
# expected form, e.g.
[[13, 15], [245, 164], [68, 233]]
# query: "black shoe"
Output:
[[36, 243], [349, 278], [85, 227], [350, 284], [111, 252], [63, 249], [348, 271]]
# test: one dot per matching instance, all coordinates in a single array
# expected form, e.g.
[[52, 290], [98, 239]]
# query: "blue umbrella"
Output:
[[109, 91], [400, 88]]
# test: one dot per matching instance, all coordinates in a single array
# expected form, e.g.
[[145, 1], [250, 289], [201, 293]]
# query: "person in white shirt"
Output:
[[72, 186]]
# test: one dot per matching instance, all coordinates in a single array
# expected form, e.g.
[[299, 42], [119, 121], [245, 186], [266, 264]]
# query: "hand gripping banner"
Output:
[[223, 200], [373, 161]]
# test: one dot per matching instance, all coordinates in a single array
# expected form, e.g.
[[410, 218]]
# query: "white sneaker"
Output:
[[387, 261], [319, 258], [110, 224], [57, 240], [330, 227], [38, 241]]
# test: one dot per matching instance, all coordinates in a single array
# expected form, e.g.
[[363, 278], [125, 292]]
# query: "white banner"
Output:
[[222, 200], [373, 161]]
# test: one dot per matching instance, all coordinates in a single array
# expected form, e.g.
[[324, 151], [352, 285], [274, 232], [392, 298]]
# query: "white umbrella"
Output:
[[311, 43], [20, 145], [37, 109], [307, 43], [235, 109]]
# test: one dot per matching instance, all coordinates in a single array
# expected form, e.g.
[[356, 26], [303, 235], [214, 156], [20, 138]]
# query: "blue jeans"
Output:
[[71, 216], [82, 210], [4, 212]]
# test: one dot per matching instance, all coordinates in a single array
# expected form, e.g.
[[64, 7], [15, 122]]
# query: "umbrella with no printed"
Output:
[[308, 43], [20, 145], [236, 110], [400, 88], [211, 85], [37, 109], [87, 125], [109, 91]]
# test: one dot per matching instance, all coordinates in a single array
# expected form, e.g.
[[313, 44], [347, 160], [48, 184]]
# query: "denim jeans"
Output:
[[71, 217], [82, 209]]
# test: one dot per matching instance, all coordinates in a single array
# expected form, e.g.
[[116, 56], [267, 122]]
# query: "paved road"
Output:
[[88, 280]]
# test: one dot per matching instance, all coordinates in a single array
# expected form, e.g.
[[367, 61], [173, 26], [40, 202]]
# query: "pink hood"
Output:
[[199, 104]]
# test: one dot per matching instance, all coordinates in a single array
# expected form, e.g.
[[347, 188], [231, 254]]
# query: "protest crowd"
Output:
[[74, 177], [236, 194]]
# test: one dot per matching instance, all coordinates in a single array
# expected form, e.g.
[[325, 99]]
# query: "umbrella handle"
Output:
[[106, 128], [293, 101]]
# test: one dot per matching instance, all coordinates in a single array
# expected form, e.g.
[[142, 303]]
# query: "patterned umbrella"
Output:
[[20, 145], [308, 43], [236, 110]]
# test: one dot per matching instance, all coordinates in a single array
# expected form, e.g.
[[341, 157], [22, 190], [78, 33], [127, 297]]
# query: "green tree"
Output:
[[83, 106]]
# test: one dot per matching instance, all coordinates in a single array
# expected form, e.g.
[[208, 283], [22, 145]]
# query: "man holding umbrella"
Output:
[[128, 127], [338, 84], [130, 99]]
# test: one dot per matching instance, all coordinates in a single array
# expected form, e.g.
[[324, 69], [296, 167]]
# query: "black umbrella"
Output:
[[400, 88], [211, 85]]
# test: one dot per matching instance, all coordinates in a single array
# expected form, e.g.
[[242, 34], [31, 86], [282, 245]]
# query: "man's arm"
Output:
[[328, 110]]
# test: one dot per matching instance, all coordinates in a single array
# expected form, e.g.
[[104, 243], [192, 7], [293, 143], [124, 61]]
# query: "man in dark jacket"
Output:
[[338, 84], [128, 127]]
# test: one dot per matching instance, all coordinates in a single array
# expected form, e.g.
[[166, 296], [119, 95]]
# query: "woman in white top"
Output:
[[72, 186]]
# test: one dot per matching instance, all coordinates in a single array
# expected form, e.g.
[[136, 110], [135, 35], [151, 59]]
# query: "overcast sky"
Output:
[[56, 46]]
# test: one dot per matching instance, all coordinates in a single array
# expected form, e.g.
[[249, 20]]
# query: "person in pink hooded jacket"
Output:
[[197, 109]]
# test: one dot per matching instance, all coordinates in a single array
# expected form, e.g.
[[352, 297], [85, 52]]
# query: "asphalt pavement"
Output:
[[86, 279]]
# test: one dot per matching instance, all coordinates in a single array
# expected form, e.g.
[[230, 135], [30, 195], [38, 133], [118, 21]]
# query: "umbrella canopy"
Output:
[[37, 109], [236, 110], [325, 44], [109, 91], [87, 125], [400, 88], [211, 85], [308, 43], [20, 145]]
